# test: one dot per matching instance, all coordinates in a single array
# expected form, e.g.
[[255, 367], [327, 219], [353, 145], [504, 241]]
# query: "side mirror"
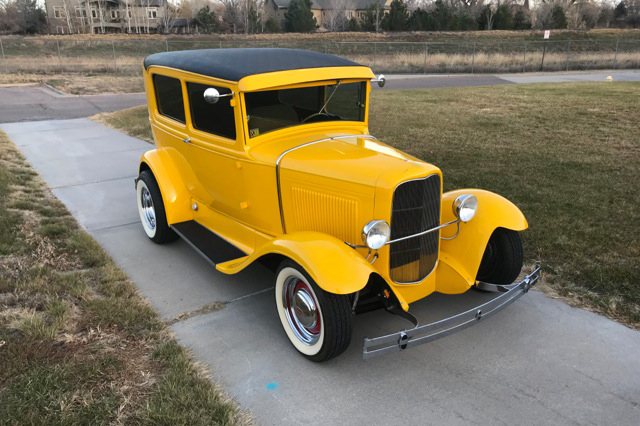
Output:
[[212, 95], [380, 80]]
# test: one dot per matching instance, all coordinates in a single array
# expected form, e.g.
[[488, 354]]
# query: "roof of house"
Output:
[[234, 64], [327, 4]]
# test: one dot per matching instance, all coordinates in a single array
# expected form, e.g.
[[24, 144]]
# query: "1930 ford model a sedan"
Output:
[[265, 155]]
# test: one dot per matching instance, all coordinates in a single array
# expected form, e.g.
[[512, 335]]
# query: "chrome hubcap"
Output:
[[148, 212], [302, 310]]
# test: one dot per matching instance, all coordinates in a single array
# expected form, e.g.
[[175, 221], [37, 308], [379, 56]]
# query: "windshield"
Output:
[[276, 109]]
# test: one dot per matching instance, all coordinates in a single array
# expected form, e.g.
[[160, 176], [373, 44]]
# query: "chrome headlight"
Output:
[[465, 207], [375, 234]]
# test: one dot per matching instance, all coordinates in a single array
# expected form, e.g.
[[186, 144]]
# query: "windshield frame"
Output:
[[307, 127]]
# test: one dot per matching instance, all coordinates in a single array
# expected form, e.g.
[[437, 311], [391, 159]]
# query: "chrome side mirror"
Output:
[[212, 95], [380, 80]]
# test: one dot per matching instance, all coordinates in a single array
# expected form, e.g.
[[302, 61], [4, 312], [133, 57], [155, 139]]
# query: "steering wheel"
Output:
[[315, 114]]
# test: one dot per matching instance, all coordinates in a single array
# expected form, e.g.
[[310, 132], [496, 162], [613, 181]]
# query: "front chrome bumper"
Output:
[[426, 333]]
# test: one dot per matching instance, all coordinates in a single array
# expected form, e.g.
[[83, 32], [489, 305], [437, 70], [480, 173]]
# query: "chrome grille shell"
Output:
[[415, 207]]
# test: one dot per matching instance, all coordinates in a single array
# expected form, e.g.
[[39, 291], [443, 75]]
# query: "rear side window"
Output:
[[169, 97], [217, 119]]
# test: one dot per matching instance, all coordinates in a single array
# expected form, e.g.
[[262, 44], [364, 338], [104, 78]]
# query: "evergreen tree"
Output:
[[444, 18], [352, 25], [271, 26], [620, 11], [503, 19], [557, 20], [31, 19], [208, 20], [299, 17], [398, 17], [521, 21]]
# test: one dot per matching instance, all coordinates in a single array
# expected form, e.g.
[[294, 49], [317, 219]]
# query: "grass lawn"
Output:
[[567, 154], [78, 345]]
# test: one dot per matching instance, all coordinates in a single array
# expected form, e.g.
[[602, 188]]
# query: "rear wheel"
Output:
[[151, 209], [317, 323], [502, 259]]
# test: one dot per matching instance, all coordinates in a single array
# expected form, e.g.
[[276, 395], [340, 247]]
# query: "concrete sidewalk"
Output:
[[537, 362]]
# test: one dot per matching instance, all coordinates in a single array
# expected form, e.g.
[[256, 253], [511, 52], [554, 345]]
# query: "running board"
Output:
[[208, 244]]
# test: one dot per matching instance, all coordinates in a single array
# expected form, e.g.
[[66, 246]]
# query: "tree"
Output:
[[271, 26], [521, 21], [486, 18], [557, 19], [372, 20], [22, 17], [299, 17], [398, 17], [207, 20], [231, 16], [620, 11], [253, 21], [504, 18], [353, 25], [334, 19]]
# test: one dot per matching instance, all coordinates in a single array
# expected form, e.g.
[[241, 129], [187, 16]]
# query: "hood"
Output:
[[354, 160]]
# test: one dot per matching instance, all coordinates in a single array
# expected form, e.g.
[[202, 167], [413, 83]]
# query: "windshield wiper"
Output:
[[329, 100]]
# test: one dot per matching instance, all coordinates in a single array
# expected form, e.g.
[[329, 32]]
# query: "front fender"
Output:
[[460, 257], [176, 198], [334, 266]]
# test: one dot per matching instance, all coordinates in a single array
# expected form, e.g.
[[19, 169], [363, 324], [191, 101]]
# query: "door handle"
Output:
[[186, 140]]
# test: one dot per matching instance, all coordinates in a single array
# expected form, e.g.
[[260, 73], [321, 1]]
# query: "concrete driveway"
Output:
[[537, 362]]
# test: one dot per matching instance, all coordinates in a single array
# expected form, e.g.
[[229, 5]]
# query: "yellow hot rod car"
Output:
[[265, 155]]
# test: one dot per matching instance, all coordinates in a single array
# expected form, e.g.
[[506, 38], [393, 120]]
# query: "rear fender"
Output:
[[176, 197], [333, 265], [460, 257]]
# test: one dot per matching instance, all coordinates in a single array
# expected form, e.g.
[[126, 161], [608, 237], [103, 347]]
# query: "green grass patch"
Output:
[[135, 120], [566, 153], [78, 344]]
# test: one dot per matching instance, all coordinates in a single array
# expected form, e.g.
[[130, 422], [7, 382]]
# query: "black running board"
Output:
[[209, 245]]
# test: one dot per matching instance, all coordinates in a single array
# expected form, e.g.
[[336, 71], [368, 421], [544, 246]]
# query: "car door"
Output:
[[169, 125], [215, 151]]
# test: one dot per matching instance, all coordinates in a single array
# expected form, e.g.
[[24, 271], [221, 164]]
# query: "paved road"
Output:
[[29, 103], [25, 103], [537, 362]]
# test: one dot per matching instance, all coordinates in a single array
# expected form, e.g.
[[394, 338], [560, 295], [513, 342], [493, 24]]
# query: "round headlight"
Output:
[[375, 234], [465, 207]]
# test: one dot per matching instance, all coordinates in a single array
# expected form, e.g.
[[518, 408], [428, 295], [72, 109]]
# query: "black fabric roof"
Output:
[[234, 64]]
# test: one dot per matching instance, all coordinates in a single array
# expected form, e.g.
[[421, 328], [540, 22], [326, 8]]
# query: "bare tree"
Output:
[[335, 18], [166, 18]]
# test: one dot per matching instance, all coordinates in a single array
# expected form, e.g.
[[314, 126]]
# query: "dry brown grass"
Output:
[[599, 33], [121, 70], [79, 84]]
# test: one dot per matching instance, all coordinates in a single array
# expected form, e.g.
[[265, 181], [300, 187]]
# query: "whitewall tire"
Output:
[[317, 323], [151, 209]]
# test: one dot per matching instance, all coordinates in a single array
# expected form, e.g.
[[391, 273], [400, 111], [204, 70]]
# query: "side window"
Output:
[[169, 97], [217, 119]]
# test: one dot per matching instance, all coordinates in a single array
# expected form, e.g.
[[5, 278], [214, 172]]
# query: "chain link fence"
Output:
[[24, 55]]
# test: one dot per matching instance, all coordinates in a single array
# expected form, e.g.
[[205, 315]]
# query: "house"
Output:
[[108, 16], [326, 10]]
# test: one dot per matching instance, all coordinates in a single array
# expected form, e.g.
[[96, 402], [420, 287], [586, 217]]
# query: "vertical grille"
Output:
[[416, 207]]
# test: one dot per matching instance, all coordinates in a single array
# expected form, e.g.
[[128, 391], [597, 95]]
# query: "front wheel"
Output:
[[317, 323], [502, 259]]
